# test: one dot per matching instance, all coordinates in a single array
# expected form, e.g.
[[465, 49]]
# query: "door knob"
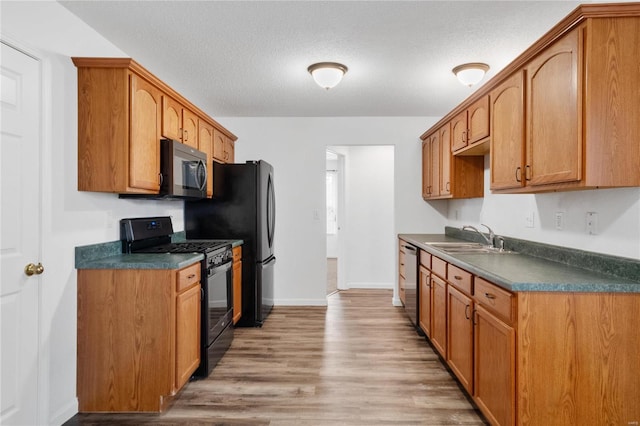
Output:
[[31, 269]]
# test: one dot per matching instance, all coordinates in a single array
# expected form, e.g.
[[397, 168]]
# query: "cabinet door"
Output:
[[459, 131], [507, 133], [187, 334], [460, 336], [494, 374], [426, 168], [144, 143], [229, 150], [439, 318], [205, 144], [425, 300], [218, 145], [189, 128], [434, 156], [171, 118], [445, 159], [237, 291], [478, 120], [554, 115]]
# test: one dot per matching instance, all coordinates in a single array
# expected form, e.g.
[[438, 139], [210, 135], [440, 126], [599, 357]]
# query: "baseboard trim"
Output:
[[64, 413], [300, 302], [386, 286]]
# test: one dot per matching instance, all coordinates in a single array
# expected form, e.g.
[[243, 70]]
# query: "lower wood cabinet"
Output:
[[535, 358], [460, 336], [237, 283], [439, 319], [138, 336], [494, 373], [188, 323], [425, 297]]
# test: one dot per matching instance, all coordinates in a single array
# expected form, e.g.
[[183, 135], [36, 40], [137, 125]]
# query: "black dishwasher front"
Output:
[[411, 283]]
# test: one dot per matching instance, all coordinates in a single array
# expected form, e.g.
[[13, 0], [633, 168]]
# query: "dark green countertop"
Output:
[[109, 256], [582, 271], [142, 261]]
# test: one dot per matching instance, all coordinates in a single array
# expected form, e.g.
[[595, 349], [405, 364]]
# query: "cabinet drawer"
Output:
[[495, 299], [460, 278], [425, 259], [237, 254], [188, 276], [439, 266]]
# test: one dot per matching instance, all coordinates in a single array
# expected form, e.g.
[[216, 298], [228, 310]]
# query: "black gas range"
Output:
[[154, 235]]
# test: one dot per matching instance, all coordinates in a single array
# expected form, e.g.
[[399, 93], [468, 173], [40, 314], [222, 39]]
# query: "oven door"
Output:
[[218, 301]]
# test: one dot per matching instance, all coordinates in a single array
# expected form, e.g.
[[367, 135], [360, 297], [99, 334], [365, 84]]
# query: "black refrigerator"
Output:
[[242, 207]]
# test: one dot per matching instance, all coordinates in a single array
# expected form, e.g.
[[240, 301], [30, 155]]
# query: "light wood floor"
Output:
[[355, 362]]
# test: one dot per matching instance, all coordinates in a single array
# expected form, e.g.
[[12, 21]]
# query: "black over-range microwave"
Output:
[[183, 172]]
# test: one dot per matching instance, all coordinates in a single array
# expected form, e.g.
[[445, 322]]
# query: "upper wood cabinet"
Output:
[[445, 175], [553, 137], [118, 131], [144, 150], [123, 112], [563, 114], [507, 133], [431, 166], [471, 125], [223, 147], [179, 123]]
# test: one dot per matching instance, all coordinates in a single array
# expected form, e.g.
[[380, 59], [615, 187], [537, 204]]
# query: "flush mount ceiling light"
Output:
[[327, 74], [470, 74]]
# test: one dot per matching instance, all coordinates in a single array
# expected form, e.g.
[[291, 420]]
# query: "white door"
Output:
[[20, 236]]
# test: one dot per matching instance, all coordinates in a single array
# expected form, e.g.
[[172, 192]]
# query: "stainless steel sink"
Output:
[[467, 248]]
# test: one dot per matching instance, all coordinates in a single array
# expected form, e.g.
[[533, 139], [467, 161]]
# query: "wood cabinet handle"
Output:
[[448, 186], [490, 296], [466, 312], [464, 136], [518, 179], [186, 135], [191, 276], [527, 172], [457, 277]]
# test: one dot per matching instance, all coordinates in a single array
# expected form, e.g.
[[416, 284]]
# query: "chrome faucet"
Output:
[[492, 236]]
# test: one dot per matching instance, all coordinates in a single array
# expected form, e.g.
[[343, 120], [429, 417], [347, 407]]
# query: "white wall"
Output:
[[618, 217], [370, 239], [69, 218], [296, 148]]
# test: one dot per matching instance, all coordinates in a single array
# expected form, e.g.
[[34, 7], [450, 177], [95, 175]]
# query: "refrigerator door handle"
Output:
[[271, 211]]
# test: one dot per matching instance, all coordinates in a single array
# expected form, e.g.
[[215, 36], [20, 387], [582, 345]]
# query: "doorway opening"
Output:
[[334, 173], [360, 217]]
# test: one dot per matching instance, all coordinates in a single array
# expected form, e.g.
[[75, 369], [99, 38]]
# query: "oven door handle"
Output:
[[218, 269]]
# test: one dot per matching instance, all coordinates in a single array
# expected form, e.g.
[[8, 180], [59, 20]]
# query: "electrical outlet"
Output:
[[529, 220], [559, 220], [592, 223]]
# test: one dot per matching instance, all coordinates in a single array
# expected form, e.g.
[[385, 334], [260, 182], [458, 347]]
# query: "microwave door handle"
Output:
[[202, 167]]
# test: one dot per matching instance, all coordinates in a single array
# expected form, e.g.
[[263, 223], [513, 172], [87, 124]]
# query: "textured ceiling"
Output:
[[250, 58]]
